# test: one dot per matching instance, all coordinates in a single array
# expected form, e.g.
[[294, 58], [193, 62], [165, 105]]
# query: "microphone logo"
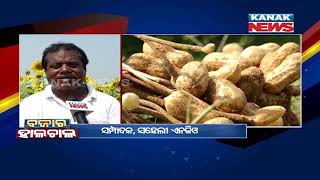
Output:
[[77, 105]]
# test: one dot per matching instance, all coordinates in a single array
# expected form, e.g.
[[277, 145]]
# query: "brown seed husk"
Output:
[[287, 72], [293, 89], [266, 99], [291, 119], [232, 48], [193, 78], [269, 47], [216, 60], [278, 122], [230, 71], [274, 59], [231, 98], [148, 64], [218, 120], [177, 103], [251, 82], [208, 48], [250, 109], [147, 49], [251, 56], [269, 114], [177, 58], [143, 94]]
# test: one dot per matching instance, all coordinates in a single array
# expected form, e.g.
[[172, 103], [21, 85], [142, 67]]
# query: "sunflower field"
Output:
[[34, 80]]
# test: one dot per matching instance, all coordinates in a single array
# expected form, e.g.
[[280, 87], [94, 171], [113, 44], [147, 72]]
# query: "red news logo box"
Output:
[[270, 23]]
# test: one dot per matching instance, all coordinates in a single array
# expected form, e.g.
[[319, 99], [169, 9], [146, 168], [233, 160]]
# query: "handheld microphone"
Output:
[[78, 109]]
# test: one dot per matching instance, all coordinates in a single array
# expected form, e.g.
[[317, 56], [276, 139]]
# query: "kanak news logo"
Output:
[[271, 23]]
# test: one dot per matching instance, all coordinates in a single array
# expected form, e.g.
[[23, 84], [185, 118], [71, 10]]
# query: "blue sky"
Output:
[[103, 52]]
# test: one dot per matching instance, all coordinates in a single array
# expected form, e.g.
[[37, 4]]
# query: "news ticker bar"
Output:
[[85, 131], [161, 131]]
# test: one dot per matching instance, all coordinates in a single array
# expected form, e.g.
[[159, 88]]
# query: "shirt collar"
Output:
[[92, 93]]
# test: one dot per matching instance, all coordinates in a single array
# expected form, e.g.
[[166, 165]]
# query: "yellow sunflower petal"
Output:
[[89, 80], [22, 79], [37, 67]]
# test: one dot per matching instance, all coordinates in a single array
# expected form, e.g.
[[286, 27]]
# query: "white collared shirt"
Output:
[[45, 105]]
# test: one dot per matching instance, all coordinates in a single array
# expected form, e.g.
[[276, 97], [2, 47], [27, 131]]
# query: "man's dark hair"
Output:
[[67, 47]]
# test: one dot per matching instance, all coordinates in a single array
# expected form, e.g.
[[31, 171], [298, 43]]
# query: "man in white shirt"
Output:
[[65, 67]]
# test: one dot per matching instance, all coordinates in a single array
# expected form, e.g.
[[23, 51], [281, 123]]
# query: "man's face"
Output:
[[65, 70]]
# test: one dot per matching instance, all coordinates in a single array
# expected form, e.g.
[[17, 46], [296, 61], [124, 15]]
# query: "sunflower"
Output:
[[29, 78], [37, 67], [22, 79], [89, 80], [98, 87], [111, 86], [28, 89], [37, 85], [39, 76]]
